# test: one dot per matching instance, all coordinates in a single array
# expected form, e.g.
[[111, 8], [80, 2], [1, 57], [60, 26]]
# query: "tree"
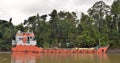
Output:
[[31, 23], [7, 33], [10, 20], [98, 12], [115, 10], [115, 32], [88, 32]]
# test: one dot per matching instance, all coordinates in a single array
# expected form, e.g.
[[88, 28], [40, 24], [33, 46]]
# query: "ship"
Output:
[[25, 42]]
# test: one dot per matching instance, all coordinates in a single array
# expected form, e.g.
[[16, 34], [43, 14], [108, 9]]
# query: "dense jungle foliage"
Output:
[[65, 30]]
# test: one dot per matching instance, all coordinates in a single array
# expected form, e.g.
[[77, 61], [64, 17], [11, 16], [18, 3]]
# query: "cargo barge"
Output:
[[25, 42]]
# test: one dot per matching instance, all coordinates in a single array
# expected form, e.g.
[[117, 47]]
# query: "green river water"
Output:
[[59, 58]]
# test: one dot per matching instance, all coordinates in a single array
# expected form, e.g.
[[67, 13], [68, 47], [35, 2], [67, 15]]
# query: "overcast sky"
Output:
[[20, 10]]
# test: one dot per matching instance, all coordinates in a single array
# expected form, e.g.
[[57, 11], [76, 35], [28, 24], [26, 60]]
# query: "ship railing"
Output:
[[71, 48]]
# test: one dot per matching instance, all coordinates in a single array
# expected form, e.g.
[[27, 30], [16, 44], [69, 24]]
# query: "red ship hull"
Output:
[[22, 48]]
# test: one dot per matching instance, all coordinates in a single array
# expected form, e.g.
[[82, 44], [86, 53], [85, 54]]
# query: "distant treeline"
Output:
[[64, 29]]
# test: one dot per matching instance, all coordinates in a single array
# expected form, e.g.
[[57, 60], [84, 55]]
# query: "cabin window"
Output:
[[20, 38], [31, 38], [28, 39]]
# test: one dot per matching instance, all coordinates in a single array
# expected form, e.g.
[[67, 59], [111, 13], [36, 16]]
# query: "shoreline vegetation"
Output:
[[100, 26]]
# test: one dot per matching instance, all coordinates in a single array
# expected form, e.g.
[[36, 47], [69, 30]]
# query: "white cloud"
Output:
[[22, 9]]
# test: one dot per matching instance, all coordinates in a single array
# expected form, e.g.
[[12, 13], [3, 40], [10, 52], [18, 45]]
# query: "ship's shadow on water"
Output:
[[59, 58]]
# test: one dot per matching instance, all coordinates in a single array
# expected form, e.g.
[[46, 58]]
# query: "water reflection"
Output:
[[24, 57], [59, 58]]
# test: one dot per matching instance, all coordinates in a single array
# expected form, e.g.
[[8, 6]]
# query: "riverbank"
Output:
[[116, 50], [5, 52]]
